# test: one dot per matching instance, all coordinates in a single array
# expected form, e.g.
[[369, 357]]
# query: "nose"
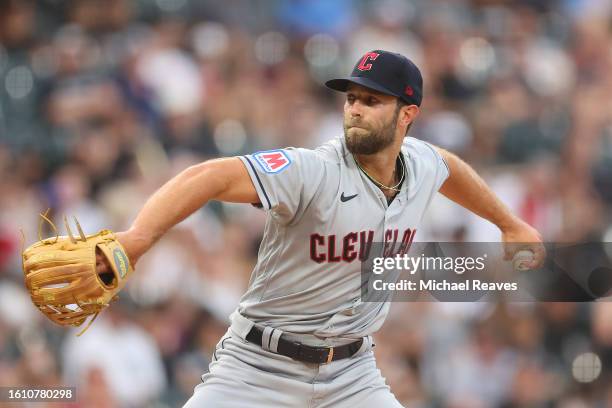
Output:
[[355, 109]]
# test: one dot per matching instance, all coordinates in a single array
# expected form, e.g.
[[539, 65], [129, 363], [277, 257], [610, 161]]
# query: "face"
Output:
[[370, 120]]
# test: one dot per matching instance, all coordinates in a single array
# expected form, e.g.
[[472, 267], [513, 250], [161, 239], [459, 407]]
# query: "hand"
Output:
[[102, 264], [521, 236], [103, 268], [134, 249]]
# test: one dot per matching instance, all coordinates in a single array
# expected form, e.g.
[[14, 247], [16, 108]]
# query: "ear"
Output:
[[408, 114]]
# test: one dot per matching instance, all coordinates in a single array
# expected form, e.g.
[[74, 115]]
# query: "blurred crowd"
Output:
[[101, 101]]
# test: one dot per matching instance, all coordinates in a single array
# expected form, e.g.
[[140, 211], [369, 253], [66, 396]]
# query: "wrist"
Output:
[[135, 244], [509, 223]]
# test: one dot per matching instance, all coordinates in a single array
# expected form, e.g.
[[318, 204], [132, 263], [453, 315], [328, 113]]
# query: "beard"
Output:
[[362, 139]]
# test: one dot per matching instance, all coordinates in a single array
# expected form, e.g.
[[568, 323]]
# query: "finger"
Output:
[[539, 256], [102, 265], [510, 249], [507, 252]]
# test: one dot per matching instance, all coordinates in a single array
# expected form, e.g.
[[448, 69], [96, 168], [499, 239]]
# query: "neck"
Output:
[[381, 165]]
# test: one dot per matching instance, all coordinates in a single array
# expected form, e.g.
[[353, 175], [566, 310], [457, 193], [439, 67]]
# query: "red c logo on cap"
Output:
[[409, 91], [371, 56]]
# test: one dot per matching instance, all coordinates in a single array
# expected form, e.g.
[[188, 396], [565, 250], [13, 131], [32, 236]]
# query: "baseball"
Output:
[[522, 259]]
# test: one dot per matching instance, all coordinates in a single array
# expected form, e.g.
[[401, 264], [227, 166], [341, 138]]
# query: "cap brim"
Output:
[[341, 84]]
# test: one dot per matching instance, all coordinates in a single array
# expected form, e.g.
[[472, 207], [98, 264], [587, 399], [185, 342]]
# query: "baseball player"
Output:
[[301, 335]]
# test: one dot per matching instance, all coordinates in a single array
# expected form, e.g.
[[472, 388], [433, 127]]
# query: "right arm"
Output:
[[220, 179]]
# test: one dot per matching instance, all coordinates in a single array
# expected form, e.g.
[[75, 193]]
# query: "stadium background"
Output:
[[103, 100]]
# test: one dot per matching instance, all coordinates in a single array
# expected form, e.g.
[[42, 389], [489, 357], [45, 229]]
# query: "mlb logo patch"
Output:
[[272, 161]]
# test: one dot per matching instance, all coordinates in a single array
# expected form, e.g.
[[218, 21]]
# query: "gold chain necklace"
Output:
[[378, 183]]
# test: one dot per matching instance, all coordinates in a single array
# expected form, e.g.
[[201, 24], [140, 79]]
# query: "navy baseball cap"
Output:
[[386, 72]]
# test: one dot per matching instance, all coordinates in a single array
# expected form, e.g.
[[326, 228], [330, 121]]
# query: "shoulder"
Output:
[[291, 158], [331, 152], [424, 158], [421, 152], [415, 146]]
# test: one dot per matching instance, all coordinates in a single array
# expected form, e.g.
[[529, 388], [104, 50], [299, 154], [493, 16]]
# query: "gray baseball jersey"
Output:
[[323, 215]]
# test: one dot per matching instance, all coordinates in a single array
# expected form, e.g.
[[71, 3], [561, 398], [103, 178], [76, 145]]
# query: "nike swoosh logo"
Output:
[[344, 198]]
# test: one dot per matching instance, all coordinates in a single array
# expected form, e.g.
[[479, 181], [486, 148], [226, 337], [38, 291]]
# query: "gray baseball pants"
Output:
[[243, 374]]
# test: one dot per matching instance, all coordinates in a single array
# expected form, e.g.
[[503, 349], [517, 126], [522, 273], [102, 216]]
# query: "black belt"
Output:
[[307, 354]]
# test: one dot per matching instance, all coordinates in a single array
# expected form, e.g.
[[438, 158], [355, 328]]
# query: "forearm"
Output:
[[465, 187], [221, 179], [173, 202]]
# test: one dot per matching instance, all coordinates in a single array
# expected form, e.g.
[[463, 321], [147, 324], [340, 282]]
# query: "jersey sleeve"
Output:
[[441, 169], [428, 162], [286, 180]]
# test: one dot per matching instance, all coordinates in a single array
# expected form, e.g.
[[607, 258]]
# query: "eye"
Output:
[[350, 98], [372, 100]]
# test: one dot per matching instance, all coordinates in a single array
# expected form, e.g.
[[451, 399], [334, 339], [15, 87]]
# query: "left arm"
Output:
[[465, 187]]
